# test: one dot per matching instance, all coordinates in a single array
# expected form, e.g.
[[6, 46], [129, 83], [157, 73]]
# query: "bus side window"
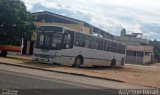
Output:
[[80, 40], [123, 49], [41, 39], [96, 43], [68, 39], [118, 50], [114, 47], [100, 44], [92, 43], [105, 45], [88, 42], [56, 41], [109, 46]]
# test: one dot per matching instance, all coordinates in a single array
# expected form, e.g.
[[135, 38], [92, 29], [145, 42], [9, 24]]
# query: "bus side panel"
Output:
[[66, 57], [94, 57], [91, 56]]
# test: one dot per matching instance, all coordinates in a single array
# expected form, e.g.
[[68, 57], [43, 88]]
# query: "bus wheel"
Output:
[[3, 53], [78, 61], [113, 63]]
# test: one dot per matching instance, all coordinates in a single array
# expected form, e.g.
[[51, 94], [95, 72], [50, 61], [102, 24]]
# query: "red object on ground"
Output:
[[10, 48]]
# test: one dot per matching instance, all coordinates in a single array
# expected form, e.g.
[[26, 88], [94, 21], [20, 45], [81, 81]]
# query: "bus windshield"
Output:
[[49, 38]]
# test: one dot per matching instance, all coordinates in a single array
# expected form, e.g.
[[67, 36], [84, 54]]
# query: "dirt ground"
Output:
[[140, 75], [133, 74]]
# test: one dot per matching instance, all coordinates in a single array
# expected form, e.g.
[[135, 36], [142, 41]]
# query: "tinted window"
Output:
[[50, 28], [108, 46], [96, 44], [131, 53], [80, 40], [100, 44], [105, 45], [68, 39], [92, 42], [47, 40], [88, 42], [140, 54], [44, 40], [56, 41], [41, 39], [119, 48]]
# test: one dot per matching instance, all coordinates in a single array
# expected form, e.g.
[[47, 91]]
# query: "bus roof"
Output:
[[84, 33]]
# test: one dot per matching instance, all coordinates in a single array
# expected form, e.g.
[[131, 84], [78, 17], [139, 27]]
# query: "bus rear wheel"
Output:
[[78, 62], [3, 53]]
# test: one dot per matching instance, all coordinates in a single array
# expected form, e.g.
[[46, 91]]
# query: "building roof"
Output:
[[132, 40], [59, 16], [64, 19]]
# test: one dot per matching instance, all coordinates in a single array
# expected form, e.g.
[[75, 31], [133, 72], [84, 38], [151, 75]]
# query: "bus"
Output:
[[13, 48], [56, 44]]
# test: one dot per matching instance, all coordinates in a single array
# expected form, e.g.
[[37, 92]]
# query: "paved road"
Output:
[[40, 85], [26, 78], [36, 86], [13, 80]]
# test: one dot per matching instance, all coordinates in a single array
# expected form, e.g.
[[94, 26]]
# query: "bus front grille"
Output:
[[44, 56]]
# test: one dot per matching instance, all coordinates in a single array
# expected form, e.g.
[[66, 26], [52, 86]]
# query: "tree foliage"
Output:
[[15, 22], [156, 45]]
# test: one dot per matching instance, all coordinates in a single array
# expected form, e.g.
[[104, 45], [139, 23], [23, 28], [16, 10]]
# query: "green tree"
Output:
[[156, 45], [15, 22]]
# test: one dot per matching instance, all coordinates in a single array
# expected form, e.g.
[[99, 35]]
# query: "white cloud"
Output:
[[107, 14]]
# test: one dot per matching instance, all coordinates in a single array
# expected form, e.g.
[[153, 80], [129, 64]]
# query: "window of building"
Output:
[[147, 54], [139, 54], [131, 53], [50, 28]]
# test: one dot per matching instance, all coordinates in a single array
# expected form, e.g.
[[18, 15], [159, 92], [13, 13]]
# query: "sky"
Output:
[[136, 16]]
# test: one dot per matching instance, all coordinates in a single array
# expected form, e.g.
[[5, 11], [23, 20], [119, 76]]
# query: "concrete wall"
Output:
[[140, 48], [131, 40], [139, 54], [72, 26], [134, 60], [147, 58], [146, 52]]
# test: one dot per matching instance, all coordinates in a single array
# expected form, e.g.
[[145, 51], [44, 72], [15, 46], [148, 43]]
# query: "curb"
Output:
[[62, 72]]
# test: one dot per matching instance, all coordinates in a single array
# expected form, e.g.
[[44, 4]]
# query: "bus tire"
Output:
[[78, 61], [113, 63], [3, 53]]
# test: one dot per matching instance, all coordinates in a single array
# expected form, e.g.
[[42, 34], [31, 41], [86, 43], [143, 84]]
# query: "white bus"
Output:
[[65, 46]]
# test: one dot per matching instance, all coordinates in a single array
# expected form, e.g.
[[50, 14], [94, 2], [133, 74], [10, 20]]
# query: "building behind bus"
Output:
[[138, 50]]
